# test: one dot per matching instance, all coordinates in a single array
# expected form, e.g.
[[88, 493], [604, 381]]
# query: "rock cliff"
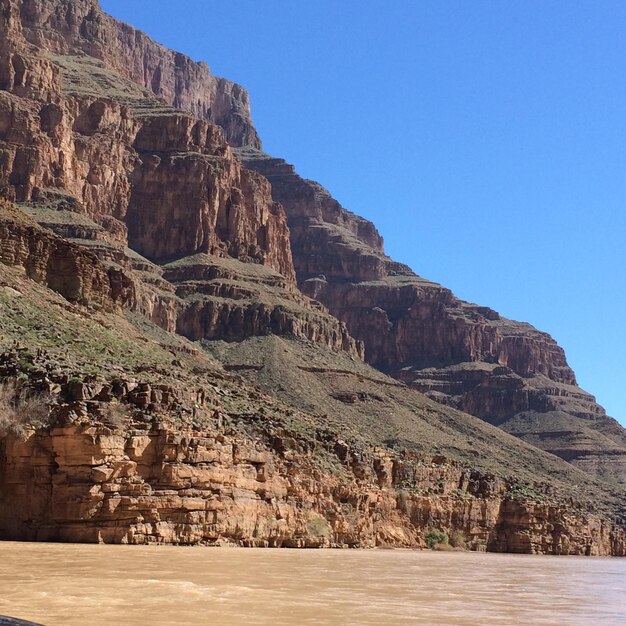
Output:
[[193, 316], [65, 268], [101, 161], [63, 136], [460, 354], [80, 26], [206, 459], [82, 482]]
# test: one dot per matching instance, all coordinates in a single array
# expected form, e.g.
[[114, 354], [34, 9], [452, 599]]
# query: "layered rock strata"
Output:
[[177, 451], [118, 154], [101, 161], [230, 300], [111, 467], [460, 354], [200, 297], [82, 483], [166, 172], [416, 330], [80, 26], [61, 266]]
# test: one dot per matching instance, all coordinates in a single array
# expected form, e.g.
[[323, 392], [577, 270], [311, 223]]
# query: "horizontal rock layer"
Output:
[[81, 483], [87, 479], [200, 297], [163, 173], [173, 449], [460, 354], [68, 269], [65, 27]]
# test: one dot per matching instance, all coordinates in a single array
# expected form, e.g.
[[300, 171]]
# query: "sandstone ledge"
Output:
[[127, 461]]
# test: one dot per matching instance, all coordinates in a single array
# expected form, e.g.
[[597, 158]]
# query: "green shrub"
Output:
[[523, 491], [435, 536]]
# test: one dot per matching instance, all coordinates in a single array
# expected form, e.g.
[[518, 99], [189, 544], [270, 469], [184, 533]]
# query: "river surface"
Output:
[[90, 585]]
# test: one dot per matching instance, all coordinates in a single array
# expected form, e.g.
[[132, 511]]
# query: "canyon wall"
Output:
[[150, 170], [128, 461], [108, 165], [80, 26], [83, 483], [463, 355], [65, 268], [134, 186]]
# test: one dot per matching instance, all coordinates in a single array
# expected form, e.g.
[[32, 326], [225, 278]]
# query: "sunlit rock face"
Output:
[[82, 482], [134, 187], [460, 354], [102, 159]]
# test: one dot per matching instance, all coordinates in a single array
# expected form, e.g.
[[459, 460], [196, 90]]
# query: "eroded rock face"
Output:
[[67, 269], [403, 319], [148, 208], [104, 163], [69, 27], [81, 482], [229, 300], [187, 184], [123, 460], [460, 354], [84, 128], [170, 178], [201, 297]]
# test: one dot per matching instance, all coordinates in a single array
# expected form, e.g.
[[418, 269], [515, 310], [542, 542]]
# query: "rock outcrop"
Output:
[[230, 300], [135, 188], [80, 26], [199, 297], [463, 355], [95, 157], [126, 169], [83, 483], [112, 467], [61, 266]]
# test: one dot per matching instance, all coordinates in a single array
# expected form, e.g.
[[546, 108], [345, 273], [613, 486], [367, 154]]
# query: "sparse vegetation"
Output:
[[522, 491], [328, 462], [115, 417], [318, 526], [457, 539], [21, 409], [445, 547], [300, 374], [435, 537]]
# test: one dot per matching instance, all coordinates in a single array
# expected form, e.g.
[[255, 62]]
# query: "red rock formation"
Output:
[[91, 148], [187, 183], [78, 139], [65, 268], [227, 299], [83, 481], [404, 319], [65, 27], [77, 126], [168, 170], [460, 354]]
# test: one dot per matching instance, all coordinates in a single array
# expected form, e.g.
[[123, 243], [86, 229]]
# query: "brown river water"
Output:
[[66, 585]]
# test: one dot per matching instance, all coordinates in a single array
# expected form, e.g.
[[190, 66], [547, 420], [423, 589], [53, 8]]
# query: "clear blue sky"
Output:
[[486, 140]]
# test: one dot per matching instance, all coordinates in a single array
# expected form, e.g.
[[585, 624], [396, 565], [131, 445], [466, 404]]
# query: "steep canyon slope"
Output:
[[136, 435], [141, 215], [463, 355]]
